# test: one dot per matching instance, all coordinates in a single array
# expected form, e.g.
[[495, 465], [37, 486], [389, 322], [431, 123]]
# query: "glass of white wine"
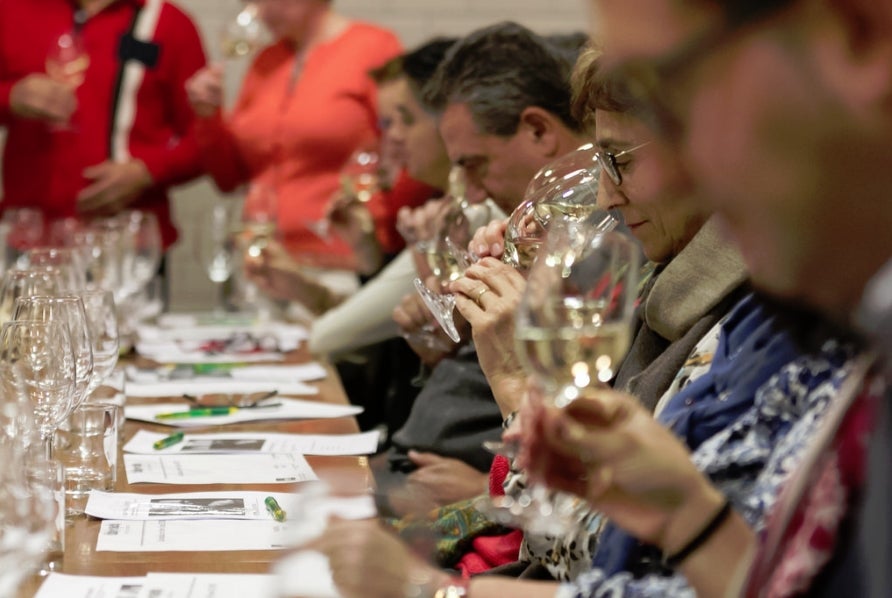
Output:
[[242, 35], [572, 330]]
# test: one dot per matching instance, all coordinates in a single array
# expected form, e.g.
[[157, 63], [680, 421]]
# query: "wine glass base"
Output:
[[441, 306], [533, 516]]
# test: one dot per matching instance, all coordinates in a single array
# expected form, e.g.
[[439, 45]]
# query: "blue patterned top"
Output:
[[747, 421]]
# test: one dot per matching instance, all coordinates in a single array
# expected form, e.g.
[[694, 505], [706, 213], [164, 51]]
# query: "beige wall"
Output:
[[414, 21]]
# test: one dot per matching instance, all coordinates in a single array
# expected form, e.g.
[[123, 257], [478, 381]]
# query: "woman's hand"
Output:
[[609, 450], [368, 562], [489, 240], [205, 90], [279, 276], [488, 296]]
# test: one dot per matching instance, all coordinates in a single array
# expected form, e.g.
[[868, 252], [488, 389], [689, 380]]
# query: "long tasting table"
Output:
[[81, 533]]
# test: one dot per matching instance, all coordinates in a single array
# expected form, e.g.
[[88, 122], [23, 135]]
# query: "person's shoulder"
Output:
[[365, 33], [173, 12]]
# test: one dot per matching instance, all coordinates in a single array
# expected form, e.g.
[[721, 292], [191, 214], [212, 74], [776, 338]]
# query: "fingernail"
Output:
[[495, 249], [481, 249]]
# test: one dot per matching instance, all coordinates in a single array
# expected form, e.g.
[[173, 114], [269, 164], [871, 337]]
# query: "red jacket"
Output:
[[146, 116]]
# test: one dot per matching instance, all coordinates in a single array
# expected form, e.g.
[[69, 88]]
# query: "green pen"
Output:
[[200, 412], [272, 505], [169, 441]]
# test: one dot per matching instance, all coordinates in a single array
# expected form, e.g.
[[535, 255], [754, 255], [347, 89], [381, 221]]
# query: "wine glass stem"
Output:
[[48, 446], [221, 297]]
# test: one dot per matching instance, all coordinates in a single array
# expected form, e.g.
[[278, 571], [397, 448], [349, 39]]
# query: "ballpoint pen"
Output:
[[168, 441], [272, 505], [211, 411]]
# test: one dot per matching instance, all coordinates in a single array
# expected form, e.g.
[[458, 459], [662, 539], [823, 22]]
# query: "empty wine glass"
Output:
[[41, 353], [216, 249], [69, 310], [69, 263], [24, 283], [143, 249], [102, 323], [25, 232]]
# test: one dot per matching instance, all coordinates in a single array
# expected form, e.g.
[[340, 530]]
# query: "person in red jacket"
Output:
[[120, 132], [306, 103]]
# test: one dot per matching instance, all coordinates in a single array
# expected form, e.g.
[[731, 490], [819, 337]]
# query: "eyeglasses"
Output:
[[656, 86], [610, 166]]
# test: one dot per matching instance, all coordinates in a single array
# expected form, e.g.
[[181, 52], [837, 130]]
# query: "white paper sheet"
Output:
[[60, 585], [305, 573], [208, 386], [303, 372], [232, 504], [290, 409], [258, 442], [202, 535], [275, 468], [232, 342], [209, 585], [174, 352]]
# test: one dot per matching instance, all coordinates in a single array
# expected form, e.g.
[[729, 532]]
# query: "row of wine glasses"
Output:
[[121, 254]]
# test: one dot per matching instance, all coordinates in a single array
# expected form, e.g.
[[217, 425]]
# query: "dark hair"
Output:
[[418, 66], [498, 72], [568, 45]]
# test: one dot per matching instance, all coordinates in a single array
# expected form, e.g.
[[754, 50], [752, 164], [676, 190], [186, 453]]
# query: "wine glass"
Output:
[[24, 283], [102, 323], [259, 216], [142, 237], [242, 35], [69, 310], [583, 158], [360, 179], [25, 232], [573, 328], [216, 250], [42, 355], [69, 264], [67, 61], [448, 261]]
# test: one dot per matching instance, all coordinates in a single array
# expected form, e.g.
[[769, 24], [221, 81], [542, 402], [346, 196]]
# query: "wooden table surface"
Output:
[[81, 558]]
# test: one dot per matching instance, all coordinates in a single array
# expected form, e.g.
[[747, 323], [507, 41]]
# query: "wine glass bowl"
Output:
[[243, 34], [67, 59], [573, 325]]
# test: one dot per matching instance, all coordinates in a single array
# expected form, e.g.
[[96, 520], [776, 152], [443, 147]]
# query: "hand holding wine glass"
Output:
[[360, 179], [67, 61], [572, 330]]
